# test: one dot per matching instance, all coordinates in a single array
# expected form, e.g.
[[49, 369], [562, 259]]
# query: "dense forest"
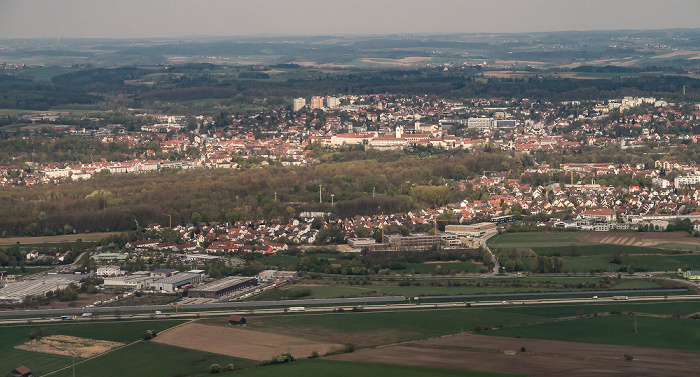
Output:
[[106, 88], [401, 181]]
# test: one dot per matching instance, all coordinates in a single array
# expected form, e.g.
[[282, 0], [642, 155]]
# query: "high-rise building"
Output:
[[332, 102], [316, 102], [299, 103]]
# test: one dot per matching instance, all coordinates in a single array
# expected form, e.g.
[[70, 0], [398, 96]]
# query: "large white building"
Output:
[[480, 123], [332, 102], [686, 181], [299, 103]]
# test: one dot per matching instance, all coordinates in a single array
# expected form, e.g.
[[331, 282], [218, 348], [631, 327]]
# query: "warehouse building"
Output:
[[171, 283], [222, 287], [137, 280]]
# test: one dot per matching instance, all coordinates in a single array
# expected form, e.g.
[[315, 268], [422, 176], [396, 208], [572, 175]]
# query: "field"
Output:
[[671, 333], [321, 368], [496, 354], [638, 238], [579, 239], [650, 262], [85, 237], [152, 359], [585, 251], [41, 363], [367, 329], [241, 342]]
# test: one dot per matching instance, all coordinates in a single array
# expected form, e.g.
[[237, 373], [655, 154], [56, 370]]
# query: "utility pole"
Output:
[[319, 193]]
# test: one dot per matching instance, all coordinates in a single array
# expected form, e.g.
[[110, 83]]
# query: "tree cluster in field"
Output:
[[379, 262]]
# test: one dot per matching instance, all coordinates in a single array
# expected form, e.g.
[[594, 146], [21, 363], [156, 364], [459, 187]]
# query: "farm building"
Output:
[[236, 320], [21, 372], [222, 287], [176, 281], [692, 275]]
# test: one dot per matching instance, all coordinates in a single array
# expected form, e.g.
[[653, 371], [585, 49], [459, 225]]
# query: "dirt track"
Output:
[[240, 342], [541, 358]]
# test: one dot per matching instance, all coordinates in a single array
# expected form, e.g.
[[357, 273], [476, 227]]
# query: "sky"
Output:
[[182, 18]]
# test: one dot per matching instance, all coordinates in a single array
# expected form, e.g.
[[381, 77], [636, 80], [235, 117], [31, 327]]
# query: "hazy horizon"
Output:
[[276, 18]]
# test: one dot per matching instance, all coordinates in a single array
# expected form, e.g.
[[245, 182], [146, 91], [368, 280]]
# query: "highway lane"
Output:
[[240, 305], [346, 308]]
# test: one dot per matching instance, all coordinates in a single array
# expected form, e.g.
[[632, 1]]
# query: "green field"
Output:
[[682, 308], [521, 240], [595, 249], [324, 368], [375, 328], [152, 359], [669, 333], [651, 262], [124, 332]]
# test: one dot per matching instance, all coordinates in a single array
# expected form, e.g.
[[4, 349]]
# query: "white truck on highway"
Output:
[[296, 309]]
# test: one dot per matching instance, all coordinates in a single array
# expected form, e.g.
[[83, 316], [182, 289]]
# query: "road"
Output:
[[325, 309], [482, 242]]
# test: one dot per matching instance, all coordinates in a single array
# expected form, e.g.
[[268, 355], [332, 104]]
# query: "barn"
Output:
[[236, 320], [21, 372]]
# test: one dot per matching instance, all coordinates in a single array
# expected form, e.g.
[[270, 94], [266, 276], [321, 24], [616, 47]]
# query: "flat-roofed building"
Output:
[[171, 283], [222, 287], [361, 242], [474, 230], [135, 281], [299, 103]]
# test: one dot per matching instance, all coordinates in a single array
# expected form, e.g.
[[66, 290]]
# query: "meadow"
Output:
[[671, 333], [152, 359], [40, 363], [321, 368]]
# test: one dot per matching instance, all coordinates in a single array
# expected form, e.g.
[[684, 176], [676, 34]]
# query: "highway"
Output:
[[401, 305]]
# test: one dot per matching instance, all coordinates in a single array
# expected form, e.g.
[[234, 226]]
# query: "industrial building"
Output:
[[17, 292], [171, 283], [277, 275], [135, 281], [418, 240], [222, 287], [361, 242], [473, 230]]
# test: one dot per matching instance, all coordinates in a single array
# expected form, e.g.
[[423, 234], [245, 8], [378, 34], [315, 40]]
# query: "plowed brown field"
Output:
[[240, 342], [638, 238], [541, 357]]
